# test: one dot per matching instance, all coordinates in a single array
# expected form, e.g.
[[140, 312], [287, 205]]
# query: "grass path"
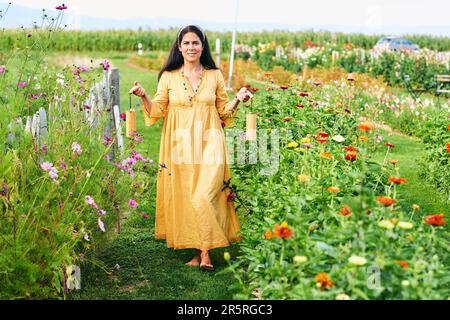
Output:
[[148, 269], [408, 151]]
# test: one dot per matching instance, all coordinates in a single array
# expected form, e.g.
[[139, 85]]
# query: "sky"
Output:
[[370, 16]]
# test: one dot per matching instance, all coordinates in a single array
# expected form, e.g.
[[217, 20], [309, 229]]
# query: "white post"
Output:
[[218, 52], [233, 43], [140, 49]]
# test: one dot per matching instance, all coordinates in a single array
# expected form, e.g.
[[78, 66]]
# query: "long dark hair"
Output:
[[175, 59]]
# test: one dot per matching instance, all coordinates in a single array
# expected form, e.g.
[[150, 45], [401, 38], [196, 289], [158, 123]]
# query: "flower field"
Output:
[[330, 223], [345, 194]]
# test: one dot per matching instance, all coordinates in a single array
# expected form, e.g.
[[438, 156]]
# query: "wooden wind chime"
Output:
[[130, 121], [250, 133]]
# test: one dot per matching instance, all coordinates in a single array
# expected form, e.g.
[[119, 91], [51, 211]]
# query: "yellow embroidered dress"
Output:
[[192, 211]]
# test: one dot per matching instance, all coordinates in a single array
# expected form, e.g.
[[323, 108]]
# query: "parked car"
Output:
[[395, 44]]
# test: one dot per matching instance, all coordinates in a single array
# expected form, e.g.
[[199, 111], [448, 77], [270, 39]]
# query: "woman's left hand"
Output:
[[244, 95]]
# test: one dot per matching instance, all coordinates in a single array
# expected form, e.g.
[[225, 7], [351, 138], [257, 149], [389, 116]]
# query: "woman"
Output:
[[192, 207]]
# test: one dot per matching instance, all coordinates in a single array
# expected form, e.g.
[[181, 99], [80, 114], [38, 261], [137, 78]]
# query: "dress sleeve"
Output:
[[224, 106], [159, 102]]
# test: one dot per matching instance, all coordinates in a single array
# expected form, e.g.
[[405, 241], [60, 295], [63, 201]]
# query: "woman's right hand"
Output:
[[137, 90]]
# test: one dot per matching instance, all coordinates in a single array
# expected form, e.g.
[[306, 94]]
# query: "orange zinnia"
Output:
[[283, 232], [397, 180], [324, 281], [366, 126], [435, 220], [268, 234], [334, 189], [447, 146], [393, 161], [363, 138], [345, 211], [326, 155], [386, 201], [322, 140], [287, 118]]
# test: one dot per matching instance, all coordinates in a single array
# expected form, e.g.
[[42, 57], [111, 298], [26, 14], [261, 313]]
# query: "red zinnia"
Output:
[[123, 116], [390, 145], [435, 220], [304, 94], [351, 148], [351, 155], [322, 140], [323, 134], [447, 146], [287, 118], [345, 211], [254, 89], [299, 105], [402, 263], [284, 87]]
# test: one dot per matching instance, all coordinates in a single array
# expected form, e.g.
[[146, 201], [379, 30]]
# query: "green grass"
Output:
[[148, 269]]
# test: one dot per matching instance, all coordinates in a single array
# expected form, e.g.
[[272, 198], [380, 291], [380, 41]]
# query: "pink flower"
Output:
[[63, 164], [91, 202], [144, 215], [76, 148], [106, 140], [2, 69], [53, 173], [61, 7], [133, 203], [101, 212], [81, 257], [86, 237], [22, 84], [84, 68], [101, 225], [105, 65], [46, 166], [35, 95]]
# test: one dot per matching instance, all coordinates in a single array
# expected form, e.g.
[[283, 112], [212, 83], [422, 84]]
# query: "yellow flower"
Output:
[[405, 225], [300, 259], [357, 260], [416, 207], [284, 224], [342, 296], [363, 138], [303, 178], [226, 256], [292, 144], [305, 140], [386, 224]]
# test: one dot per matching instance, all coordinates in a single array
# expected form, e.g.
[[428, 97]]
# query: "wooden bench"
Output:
[[413, 91], [442, 85]]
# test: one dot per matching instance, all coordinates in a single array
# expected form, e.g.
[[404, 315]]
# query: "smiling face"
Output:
[[191, 47]]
